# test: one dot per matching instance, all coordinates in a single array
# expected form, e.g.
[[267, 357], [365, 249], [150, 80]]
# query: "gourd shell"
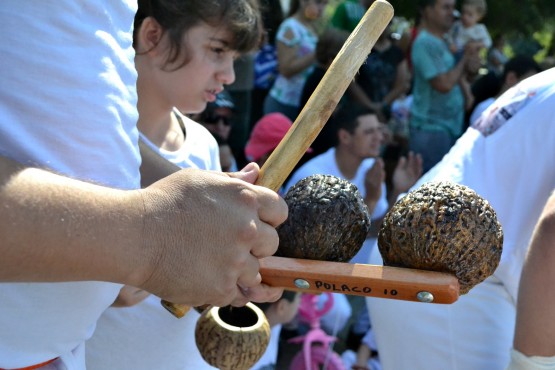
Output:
[[328, 220], [232, 338], [445, 227]]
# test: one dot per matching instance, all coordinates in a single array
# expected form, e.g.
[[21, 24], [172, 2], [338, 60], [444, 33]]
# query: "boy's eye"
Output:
[[218, 50]]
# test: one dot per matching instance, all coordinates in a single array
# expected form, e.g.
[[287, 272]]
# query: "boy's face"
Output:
[[470, 15], [366, 140], [209, 69]]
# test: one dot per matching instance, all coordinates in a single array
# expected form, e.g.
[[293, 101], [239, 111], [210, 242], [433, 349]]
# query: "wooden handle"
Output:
[[319, 106], [355, 279]]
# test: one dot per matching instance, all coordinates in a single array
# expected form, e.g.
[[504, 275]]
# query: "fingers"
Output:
[[249, 173], [260, 293], [272, 210]]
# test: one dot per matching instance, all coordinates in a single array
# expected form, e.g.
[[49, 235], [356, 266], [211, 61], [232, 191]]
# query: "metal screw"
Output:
[[302, 284], [425, 297]]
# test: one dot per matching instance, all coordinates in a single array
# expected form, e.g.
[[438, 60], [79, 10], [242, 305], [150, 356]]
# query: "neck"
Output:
[[347, 163], [156, 119]]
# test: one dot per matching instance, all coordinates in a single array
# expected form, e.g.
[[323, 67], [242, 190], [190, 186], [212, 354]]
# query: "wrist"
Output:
[[139, 255]]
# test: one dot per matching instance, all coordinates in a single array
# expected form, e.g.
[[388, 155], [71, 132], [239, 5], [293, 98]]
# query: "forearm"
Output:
[[446, 81], [535, 325], [289, 66], [401, 85], [358, 95], [58, 229], [153, 166]]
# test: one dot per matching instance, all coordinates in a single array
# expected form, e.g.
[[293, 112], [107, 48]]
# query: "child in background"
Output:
[[469, 28], [265, 136], [278, 313]]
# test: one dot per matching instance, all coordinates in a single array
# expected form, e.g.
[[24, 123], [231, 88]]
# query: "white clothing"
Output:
[[67, 103], [146, 336], [507, 158], [480, 108], [268, 360], [461, 35], [200, 149], [288, 90], [520, 361], [326, 164]]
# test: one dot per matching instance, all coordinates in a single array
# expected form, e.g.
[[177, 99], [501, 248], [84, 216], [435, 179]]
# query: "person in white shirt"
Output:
[[515, 70], [75, 227], [506, 157]]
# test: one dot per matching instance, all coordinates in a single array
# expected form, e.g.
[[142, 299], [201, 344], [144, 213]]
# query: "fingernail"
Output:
[[249, 167]]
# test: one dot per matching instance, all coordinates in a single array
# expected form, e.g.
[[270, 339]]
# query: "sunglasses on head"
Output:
[[215, 118]]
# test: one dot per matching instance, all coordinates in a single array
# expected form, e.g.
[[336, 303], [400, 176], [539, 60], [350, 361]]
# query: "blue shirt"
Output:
[[432, 110]]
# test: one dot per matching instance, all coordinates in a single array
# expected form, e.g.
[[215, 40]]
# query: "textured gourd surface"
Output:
[[236, 345], [328, 220], [446, 227]]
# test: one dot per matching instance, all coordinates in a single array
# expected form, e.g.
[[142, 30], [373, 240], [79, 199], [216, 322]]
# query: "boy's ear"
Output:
[[149, 35], [343, 135]]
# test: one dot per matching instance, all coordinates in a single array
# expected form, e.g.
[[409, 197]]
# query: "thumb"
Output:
[[249, 173]]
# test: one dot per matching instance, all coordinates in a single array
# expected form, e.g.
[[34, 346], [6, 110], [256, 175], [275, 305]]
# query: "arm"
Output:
[[363, 355], [289, 62], [401, 85], [469, 63], [50, 225], [535, 323], [153, 166], [162, 239], [358, 95], [446, 81]]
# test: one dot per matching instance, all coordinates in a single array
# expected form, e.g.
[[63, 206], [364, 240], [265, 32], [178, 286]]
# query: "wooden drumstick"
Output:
[[317, 111]]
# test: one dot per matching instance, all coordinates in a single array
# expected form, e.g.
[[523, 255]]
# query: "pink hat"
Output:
[[266, 135]]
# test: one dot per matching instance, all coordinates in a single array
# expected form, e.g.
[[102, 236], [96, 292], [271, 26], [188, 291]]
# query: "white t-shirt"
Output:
[[146, 336], [480, 108], [510, 164], [68, 103], [507, 158]]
